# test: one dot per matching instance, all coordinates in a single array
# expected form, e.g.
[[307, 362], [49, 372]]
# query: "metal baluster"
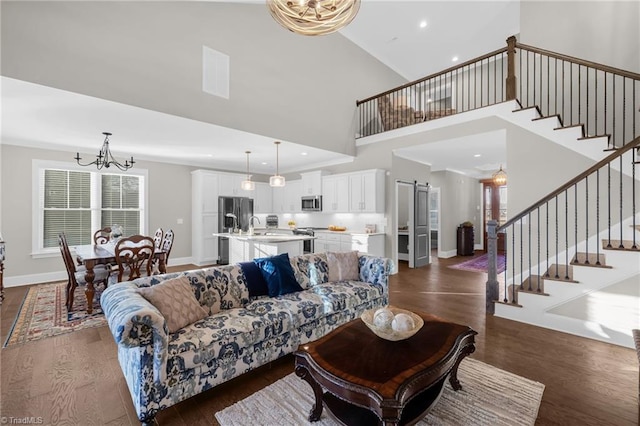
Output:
[[557, 261], [621, 245], [609, 204], [586, 225], [513, 261], [529, 244], [521, 250], [633, 196], [566, 234], [546, 227], [538, 279], [598, 217], [575, 224]]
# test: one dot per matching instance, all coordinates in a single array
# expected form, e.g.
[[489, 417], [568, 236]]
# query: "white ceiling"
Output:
[[39, 116]]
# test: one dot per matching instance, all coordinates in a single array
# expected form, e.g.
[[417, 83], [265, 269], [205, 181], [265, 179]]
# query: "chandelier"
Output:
[[313, 17], [276, 180], [105, 158], [248, 185], [499, 177]]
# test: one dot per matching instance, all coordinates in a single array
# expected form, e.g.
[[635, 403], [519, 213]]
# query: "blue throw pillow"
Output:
[[255, 281], [279, 275]]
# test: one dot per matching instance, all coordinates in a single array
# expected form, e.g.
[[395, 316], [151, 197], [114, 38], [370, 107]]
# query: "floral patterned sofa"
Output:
[[239, 334]]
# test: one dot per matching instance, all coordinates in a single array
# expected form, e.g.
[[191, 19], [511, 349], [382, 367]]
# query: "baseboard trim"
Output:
[[447, 254], [47, 277]]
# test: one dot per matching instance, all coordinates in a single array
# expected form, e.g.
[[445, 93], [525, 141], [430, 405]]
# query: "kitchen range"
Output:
[[308, 246]]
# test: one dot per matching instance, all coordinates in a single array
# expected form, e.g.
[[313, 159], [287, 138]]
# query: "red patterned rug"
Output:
[[43, 314], [480, 264]]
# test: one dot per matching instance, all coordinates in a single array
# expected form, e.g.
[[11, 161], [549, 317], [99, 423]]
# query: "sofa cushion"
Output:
[[175, 301], [255, 281], [310, 269], [278, 274], [208, 338], [338, 296], [343, 266]]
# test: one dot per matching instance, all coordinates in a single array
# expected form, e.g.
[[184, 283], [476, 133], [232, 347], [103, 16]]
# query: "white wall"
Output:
[[149, 54], [606, 32]]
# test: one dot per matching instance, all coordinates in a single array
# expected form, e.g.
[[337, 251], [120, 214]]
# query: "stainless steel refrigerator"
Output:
[[233, 213]]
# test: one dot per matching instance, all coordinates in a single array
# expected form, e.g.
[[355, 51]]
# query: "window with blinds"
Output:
[[79, 202]]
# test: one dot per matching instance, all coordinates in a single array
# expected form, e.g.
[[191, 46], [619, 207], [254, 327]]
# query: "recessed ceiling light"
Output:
[[477, 155], [454, 59], [264, 163], [303, 153], [423, 24], [209, 155]]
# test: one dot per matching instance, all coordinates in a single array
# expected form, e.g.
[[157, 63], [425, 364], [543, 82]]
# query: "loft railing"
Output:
[[603, 100], [543, 240], [567, 227]]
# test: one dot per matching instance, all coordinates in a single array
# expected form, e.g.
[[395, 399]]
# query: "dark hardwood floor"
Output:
[[75, 379]]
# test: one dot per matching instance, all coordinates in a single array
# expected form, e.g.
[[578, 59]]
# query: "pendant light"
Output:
[[248, 185], [500, 177], [276, 180]]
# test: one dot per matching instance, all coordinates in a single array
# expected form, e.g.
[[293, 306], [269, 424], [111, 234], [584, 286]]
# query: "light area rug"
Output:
[[43, 313], [489, 396]]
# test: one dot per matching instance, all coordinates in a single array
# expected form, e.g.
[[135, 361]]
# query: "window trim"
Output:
[[37, 219]]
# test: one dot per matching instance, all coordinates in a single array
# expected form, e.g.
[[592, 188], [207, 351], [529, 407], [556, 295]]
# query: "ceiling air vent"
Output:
[[215, 72]]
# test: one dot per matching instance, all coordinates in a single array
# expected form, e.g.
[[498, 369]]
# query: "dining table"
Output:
[[91, 255]]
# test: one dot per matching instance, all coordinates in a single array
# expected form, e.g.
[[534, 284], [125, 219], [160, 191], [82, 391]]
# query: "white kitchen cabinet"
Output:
[[292, 197], [367, 191], [204, 217], [335, 195], [229, 185], [277, 199], [262, 200], [311, 183], [339, 242], [365, 243]]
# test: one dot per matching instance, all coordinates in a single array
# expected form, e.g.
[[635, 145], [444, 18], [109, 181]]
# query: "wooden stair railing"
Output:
[[552, 227], [602, 100]]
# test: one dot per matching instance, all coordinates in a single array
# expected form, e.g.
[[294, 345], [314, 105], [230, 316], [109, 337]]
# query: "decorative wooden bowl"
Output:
[[389, 333]]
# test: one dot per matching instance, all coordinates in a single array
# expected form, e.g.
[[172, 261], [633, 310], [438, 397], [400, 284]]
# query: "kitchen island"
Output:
[[245, 247]]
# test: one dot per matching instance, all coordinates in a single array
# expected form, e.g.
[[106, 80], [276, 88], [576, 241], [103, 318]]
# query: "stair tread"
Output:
[[562, 273], [536, 287], [544, 117], [594, 261], [593, 137], [626, 245]]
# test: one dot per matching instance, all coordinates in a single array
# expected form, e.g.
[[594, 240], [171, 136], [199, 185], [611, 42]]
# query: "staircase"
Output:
[[575, 250]]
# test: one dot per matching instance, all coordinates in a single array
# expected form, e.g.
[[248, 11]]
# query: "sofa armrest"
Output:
[[375, 270], [133, 321]]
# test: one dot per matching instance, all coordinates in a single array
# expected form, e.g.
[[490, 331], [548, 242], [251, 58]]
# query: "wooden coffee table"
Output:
[[363, 379]]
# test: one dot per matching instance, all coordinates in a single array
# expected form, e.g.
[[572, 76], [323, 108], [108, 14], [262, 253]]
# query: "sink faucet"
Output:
[[251, 223]]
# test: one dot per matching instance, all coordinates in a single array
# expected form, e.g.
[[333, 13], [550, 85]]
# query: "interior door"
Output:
[[421, 225]]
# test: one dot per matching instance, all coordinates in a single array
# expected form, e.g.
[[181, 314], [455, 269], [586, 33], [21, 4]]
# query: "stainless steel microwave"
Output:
[[312, 203]]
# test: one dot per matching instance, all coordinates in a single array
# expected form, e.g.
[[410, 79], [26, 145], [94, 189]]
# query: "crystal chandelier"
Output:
[[499, 177], [248, 185], [313, 17], [105, 158], [276, 180]]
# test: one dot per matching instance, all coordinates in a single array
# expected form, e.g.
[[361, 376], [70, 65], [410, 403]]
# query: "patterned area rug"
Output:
[[43, 313], [480, 264], [489, 396]]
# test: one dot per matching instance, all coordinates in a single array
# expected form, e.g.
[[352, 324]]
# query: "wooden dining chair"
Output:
[[157, 238], [133, 256], [167, 243], [102, 236], [76, 274]]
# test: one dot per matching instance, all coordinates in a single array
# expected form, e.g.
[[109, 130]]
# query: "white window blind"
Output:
[[67, 207], [79, 202]]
